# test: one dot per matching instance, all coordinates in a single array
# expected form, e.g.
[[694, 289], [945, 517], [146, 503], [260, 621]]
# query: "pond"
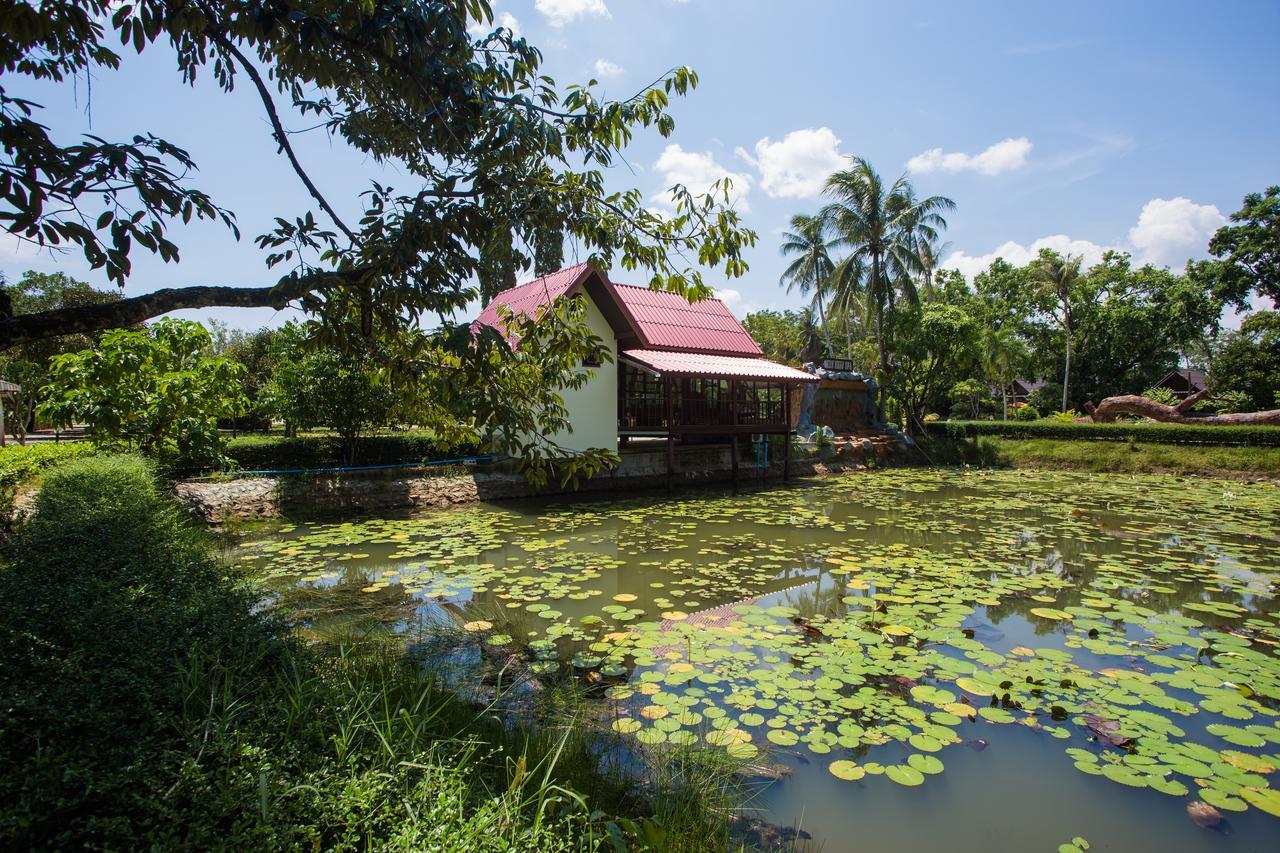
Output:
[[931, 658]]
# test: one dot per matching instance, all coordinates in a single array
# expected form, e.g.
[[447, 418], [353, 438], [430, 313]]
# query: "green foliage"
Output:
[[252, 351], [1249, 361], [274, 452], [883, 226], [495, 154], [1201, 460], [152, 388], [1027, 412], [1256, 436], [786, 336], [497, 166], [1067, 417], [1247, 252], [313, 385], [1161, 395], [152, 703], [935, 341], [28, 365], [21, 464]]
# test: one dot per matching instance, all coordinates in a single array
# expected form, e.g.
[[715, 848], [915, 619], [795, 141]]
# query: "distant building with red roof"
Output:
[[680, 368]]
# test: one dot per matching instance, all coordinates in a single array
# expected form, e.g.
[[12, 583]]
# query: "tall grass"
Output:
[[152, 702]]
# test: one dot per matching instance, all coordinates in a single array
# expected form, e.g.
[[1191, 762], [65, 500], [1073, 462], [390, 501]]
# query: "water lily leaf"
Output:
[[1051, 613], [1265, 799], [904, 774], [847, 770]]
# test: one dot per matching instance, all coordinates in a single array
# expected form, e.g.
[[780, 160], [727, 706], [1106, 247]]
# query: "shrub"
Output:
[[152, 703], [259, 452], [21, 463], [1156, 433], [150, 388], [1026, 413]]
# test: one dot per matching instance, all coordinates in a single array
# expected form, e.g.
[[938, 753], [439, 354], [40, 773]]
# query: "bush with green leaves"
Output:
[[153, 703], [153, 389], [1161, 395], [1155, 433], [314, 385], [1026, 413]]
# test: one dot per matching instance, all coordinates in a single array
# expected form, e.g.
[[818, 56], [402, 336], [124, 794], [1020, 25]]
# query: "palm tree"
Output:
[[848, 297], [930, 255], [882, 227], [1002, 353], [1055, 278], [811, 270]]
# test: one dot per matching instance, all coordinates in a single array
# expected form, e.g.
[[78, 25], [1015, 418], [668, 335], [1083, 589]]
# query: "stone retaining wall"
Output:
[[220, 500]]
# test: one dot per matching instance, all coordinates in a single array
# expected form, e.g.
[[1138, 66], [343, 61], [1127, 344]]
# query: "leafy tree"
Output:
[[1249, 361], [28, 364], [1247, 253], [320, 386], [881, 227], [152, 388], [787, 336], [251, 350], [935, 344], [493, 157]]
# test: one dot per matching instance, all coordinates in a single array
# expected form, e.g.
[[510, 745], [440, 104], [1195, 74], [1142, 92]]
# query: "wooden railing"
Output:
[[701, 404]]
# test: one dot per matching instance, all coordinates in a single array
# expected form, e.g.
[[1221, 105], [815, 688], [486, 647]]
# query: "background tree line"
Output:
[[869, 263]]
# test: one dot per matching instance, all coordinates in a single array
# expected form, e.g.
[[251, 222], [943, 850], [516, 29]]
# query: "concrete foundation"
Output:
[[641, 468]]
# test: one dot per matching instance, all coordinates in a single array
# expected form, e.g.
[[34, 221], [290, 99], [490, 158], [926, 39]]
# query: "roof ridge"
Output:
[[672, 292], [536, 280]]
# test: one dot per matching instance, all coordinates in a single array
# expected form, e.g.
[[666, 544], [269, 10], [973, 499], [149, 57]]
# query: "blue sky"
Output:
[[1080, 126]]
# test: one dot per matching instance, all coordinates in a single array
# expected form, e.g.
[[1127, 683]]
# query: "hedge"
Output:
[[18, 462], [264, 452], [1252, 436]]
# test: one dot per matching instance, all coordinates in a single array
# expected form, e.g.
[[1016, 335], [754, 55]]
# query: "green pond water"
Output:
[[939, 659]]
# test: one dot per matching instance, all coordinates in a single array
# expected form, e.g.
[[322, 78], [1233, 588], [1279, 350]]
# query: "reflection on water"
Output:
[[927, 659]]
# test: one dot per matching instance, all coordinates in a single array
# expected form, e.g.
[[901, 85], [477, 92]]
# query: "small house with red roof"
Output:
[[681, 370]]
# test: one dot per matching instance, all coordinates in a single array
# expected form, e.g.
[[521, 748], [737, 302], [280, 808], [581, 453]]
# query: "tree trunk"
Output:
[[1066, 370], [1132, 404], [1004, 396]]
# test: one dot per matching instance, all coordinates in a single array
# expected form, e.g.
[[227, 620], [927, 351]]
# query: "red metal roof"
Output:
[[525, 299], [667, 363], [660, 320], [669, 321]]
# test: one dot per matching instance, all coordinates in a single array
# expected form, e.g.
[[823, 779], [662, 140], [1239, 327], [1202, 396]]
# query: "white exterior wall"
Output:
[[593, 408]]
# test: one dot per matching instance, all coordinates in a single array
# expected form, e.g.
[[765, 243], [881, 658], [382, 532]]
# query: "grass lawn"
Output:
[[1109, 456]]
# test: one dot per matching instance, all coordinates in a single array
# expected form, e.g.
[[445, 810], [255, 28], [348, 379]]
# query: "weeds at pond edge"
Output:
[[152, 702]]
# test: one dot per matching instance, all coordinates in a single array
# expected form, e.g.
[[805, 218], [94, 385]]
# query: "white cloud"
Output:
[[733, 300], [1020, 255], [1171, 230], [1001, 157], [798, 165], [501, 19], [1168, 232], [698, 171], [605, 68], [561, 12]]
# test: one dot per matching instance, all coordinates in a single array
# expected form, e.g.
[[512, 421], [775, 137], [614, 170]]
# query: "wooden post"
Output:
[[733, 426], [786, 444], [671, 432]]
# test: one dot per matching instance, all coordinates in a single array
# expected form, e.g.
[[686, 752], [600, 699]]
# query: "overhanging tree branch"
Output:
[[281, 136], [25, 328]]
